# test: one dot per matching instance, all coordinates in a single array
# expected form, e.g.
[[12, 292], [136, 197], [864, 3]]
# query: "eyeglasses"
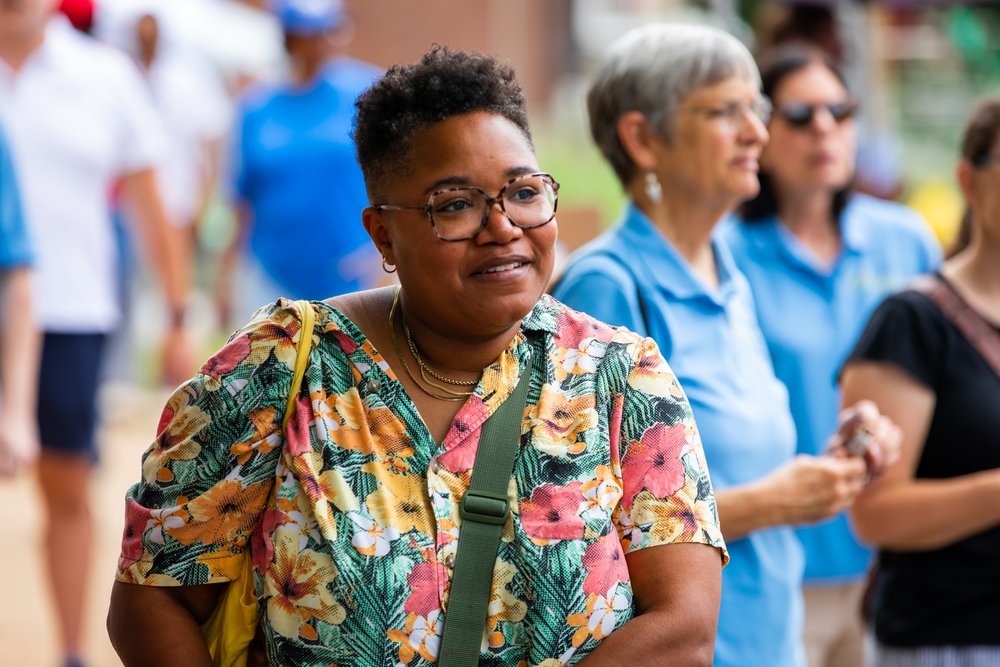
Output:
[[986, 161], [459, 213], [801, 114], [733, 114]]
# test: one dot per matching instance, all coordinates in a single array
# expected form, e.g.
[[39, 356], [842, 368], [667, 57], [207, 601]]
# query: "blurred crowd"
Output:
[[760, 248]]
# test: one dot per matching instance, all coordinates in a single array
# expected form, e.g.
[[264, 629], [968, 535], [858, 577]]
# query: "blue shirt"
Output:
[[15, 249], [295, 168], [631, 276], [811, 317]]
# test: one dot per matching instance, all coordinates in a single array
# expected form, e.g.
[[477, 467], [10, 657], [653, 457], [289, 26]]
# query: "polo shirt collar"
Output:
[[666, 269], [853, 234]]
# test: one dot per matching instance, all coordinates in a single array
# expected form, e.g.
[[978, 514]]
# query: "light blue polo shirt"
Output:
[[811, 317], [631, 276], [294, 165], [15, 248]]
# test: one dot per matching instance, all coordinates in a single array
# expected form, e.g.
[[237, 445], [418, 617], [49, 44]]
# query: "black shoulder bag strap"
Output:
[[484, 510], [976, 330]]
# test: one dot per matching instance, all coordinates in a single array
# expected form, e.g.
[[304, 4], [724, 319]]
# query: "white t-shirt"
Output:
[[78, 116], [195, 109]]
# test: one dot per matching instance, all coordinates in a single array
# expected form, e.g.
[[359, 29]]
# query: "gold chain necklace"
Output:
[[449, 395], [424, 367]]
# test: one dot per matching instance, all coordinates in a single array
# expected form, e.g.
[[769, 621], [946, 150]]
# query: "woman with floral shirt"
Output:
[[351, 519]]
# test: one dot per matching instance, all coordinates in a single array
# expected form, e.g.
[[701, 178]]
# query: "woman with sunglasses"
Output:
[[935, 515], [610, 552], [819, 259], [677, 110]]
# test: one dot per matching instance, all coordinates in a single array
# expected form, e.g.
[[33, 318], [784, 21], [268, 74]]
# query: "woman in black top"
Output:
[[936, 514]]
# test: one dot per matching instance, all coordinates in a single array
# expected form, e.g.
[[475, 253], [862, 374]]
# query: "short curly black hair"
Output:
[[408, 98]]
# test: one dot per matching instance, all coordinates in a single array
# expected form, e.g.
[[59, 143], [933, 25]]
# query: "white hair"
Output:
[[651, 70]]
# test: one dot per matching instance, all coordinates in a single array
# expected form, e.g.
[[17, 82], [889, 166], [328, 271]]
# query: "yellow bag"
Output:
[[233, 623]]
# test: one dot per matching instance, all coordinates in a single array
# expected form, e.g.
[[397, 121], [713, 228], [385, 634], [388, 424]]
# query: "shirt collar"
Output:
[[770, 232], [663, 266], [543, 316]]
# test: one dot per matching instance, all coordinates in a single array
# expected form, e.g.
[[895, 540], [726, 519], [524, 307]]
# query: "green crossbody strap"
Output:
[[484, 510]]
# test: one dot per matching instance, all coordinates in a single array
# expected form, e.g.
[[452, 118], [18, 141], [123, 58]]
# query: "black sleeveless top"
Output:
[[948, 596]]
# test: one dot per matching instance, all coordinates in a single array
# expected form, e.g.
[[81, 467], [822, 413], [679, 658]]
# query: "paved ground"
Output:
[[27, 633]]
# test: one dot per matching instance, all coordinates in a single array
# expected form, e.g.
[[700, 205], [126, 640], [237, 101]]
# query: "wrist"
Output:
[[176, 317]]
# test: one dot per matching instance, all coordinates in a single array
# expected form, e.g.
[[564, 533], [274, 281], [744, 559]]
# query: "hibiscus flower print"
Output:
[[222, 514], [652, 375], [296, 588], [264, 439], [553, 512], [502, 607], [604, 563], [400, 501], [559, 422], [654, 462]]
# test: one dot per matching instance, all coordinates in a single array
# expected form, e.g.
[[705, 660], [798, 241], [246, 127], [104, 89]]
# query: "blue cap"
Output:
[[309, 17]]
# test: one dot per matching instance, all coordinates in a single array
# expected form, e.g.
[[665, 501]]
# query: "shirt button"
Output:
[[435, 466], [372, 386], [449, 560]]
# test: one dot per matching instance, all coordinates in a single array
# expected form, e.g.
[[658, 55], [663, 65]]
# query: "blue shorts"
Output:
[[67, 392]]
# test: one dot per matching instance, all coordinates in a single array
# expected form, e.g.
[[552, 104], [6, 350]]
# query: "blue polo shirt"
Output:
[[294, 166], [811, 317], [15, 249], [632, 276]]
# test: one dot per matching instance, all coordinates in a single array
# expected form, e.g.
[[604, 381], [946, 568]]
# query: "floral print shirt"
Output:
[[352, 519]]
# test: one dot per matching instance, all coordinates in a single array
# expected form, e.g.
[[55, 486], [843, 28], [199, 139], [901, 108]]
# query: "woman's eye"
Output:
[[455, 205], [523, 194]]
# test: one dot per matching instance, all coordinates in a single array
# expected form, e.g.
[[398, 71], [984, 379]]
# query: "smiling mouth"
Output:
[[503, 267]]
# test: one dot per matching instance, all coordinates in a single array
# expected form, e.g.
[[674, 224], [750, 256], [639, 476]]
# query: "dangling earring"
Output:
[[653, 189], [387, 267]]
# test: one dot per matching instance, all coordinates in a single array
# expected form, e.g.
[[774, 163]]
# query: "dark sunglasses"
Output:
[[800, 114]]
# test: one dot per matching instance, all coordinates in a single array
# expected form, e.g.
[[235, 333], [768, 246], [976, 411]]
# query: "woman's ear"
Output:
[[965, 174], [375, 226], [637, 138]]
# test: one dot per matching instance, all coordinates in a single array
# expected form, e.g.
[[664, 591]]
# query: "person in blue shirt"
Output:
[[819, 259], [677, 111], [19, 339], [298, 188]]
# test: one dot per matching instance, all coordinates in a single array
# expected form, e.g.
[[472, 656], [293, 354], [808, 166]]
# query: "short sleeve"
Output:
[[602, 288], [667, 494], [142, 142], [207, 476], [906, 330]]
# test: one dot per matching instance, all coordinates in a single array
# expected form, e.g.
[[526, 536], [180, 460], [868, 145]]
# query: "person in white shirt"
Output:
[[196, 130], [79, 121]]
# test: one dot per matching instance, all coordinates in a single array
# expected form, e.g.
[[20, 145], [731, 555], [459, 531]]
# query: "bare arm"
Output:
[[143, 195], [900, 512], [19, 346], [676, 591], [165, 251], [156, 626], [226, 266]]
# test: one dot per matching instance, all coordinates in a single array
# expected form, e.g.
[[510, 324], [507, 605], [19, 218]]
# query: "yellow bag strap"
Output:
[[301, 357]]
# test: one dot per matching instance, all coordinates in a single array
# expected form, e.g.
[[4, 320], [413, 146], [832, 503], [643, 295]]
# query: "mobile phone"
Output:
[[857, 444]]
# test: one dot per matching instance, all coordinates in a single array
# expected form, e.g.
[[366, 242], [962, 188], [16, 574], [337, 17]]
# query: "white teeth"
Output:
[[503, 267]]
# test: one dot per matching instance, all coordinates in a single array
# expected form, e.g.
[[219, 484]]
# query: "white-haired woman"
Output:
[[677, 111]]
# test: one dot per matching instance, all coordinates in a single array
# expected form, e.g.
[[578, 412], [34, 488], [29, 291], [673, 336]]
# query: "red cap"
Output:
[[79, 12]]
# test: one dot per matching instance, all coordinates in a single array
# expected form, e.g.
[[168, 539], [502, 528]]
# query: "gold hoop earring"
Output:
[[388, 268]]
